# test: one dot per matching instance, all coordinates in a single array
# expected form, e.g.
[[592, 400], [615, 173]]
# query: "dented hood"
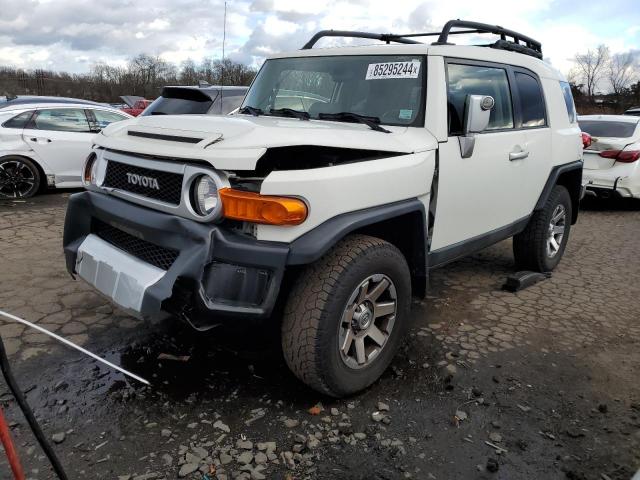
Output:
[[237, 142]]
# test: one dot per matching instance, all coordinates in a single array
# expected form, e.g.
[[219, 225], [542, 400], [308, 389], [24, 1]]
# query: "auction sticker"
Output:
[[377, 71]]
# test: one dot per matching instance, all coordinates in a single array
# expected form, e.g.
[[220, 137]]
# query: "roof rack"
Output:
[[383, 37], [517, 43]]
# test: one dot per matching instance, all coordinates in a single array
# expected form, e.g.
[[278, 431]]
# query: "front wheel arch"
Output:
[[403, 224]]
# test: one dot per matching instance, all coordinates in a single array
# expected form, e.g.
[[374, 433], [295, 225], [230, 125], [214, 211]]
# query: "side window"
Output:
[[104, 118], [568, 101], [531, 101], [62, 120], [478, 80], [19, 121]]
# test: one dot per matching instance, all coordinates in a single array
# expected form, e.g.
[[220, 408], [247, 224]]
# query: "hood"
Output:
[[237, 142]]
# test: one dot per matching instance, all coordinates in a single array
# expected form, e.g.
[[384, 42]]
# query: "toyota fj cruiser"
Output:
[[344, 178]]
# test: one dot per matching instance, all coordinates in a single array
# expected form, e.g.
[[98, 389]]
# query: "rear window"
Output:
[[180, 101], [599, 128], [568, 101], [226, 104], [19, 121]]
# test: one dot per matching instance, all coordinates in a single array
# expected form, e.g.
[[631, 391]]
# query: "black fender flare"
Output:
[[314, 244], [573, 184]]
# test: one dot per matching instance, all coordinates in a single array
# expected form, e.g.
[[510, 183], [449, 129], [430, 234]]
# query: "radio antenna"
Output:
[[224, 39]]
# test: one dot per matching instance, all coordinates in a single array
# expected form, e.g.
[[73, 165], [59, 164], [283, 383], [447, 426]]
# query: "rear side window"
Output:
[[531, 101], [568, 101], [19, 121], [479, 80], [599, 128], [62, 120]]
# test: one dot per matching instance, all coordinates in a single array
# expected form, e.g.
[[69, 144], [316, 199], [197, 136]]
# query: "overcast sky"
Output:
[[70, 35]]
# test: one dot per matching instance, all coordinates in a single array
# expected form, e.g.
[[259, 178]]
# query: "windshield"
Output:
[[597, 128], [387, 87]]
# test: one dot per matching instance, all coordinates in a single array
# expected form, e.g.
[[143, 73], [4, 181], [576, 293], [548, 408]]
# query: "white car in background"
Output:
[[44, 142], [612, 161]]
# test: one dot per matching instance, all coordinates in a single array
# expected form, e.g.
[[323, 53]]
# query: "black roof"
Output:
[[30, 99]]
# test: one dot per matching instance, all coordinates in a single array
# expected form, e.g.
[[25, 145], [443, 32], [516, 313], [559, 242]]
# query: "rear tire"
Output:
[[357, 292], [19, 177], [540, 246]]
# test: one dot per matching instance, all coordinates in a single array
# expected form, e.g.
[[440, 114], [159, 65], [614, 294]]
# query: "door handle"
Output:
[[520, 155], [34, 139]]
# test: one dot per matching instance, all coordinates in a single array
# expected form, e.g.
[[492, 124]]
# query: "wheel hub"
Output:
[[362, 316], [367, 321]]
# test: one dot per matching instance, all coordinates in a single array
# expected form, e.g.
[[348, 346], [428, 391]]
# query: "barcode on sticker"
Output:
[[393, 70]]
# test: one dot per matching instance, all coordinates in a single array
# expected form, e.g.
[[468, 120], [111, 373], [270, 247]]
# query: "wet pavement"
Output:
[[543, 383]]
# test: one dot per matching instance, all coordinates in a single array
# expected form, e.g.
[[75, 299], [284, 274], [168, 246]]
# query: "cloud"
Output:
[[72, 34]]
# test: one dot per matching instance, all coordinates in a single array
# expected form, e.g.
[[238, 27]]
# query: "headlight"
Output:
[[89, 170], [205, 198]]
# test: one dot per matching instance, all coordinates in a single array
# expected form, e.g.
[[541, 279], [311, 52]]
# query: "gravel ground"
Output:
[[538, 384]]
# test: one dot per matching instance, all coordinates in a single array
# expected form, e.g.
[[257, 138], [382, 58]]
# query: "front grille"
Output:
[[156, 184], [156, 255]]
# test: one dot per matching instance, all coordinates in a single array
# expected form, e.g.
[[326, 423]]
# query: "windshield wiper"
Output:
[[371, 122], [289, 112], [158, 113], [251, 110]]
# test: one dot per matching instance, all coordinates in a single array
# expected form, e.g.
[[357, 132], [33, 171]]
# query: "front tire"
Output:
[[346, 316], [540, 246], [19, 178]]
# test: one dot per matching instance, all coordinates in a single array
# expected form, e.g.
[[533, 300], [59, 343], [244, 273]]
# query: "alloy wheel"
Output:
[[555, 235], [17, 179], [367, 321]]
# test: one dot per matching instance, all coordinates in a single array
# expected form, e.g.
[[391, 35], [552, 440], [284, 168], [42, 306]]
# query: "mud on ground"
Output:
[[543, 383]]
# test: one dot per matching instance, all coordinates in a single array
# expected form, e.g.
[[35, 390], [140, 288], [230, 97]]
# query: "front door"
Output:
[[61, 137], [480, 195]]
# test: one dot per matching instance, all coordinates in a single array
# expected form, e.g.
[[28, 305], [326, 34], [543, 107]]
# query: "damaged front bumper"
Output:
[[151, 263]]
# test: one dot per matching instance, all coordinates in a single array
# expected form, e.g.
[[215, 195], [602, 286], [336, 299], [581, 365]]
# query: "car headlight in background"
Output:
[[89, 170], [205, 195]]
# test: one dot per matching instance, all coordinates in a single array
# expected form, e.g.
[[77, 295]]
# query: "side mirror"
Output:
[[477, 111]]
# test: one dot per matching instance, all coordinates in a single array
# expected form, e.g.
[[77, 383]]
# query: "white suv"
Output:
[[346, 176]]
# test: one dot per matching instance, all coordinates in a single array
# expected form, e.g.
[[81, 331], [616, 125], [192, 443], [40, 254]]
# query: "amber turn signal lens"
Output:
[[88, 174], [267, 209]]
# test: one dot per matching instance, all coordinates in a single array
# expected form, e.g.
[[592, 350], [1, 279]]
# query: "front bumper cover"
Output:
[[217, 273]]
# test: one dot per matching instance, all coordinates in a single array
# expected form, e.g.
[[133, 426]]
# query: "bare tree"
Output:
[[189, 73], [591, 66], [144, 75], [620, 71]]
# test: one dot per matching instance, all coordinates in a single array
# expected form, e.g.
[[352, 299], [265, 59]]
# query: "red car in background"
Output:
[[135, 105]]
